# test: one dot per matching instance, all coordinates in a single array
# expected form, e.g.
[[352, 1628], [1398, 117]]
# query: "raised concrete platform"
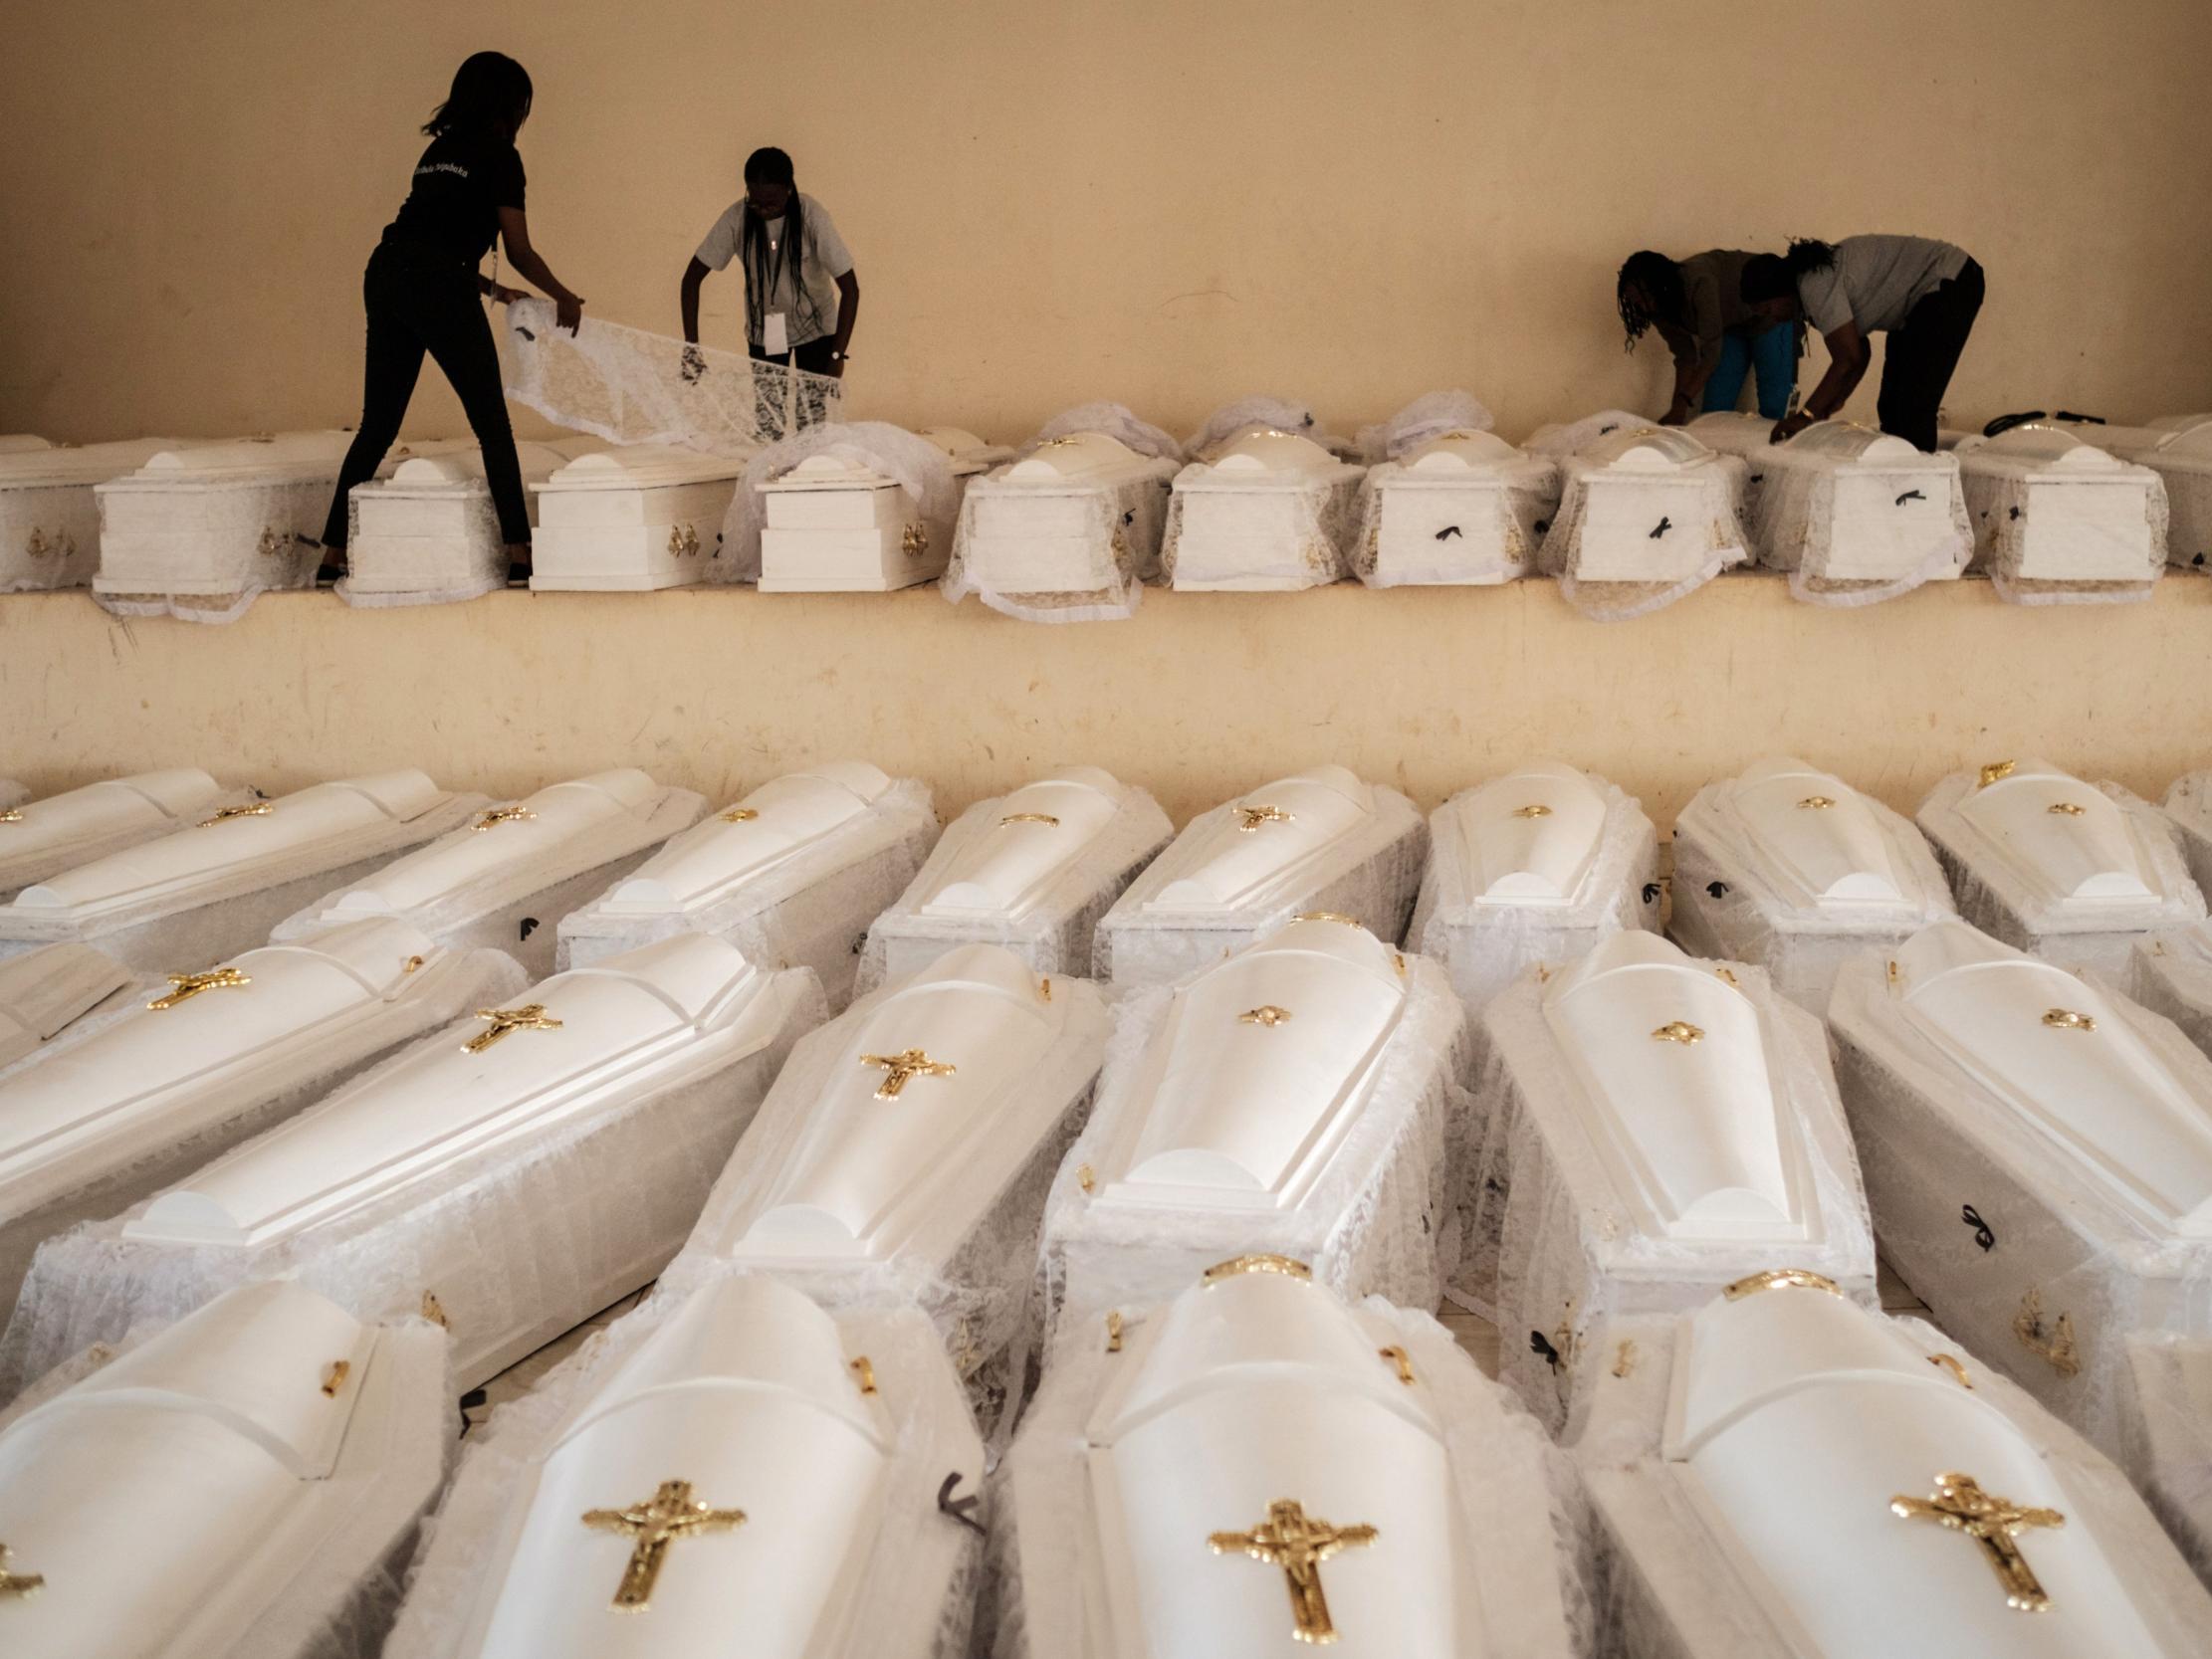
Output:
[[1198, 696]]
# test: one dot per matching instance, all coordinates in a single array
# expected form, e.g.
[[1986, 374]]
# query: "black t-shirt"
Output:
[[461, 183]]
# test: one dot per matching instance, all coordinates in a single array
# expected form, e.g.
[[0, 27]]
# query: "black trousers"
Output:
[[814, 358], [416, 303], [1916, 369]]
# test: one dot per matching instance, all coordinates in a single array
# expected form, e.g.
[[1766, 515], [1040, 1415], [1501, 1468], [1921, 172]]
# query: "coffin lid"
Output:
[[1005, 869], [785, 814], [1552, 437], [1733, 431], [92, 464], [1072, 458], [830, 471], [1273, 453], [955, 440], [150, 802], [2051, 448], [2091, 854], [250, 454], [1328, 800], [1835, 853], [1462, 451], [17, 443], [2186, 435], [1644, 449], [1849, 441], [1520, 857], [457, 467], [643, 467], [256, 1360], [43, 991]]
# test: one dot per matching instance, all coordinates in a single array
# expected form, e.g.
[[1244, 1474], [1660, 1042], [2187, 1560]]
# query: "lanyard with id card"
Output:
[[776, 335]]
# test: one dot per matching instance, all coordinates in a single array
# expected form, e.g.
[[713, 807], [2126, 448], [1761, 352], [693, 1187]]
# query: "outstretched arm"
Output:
[[848, 310], [515, 232], [1848, 357]]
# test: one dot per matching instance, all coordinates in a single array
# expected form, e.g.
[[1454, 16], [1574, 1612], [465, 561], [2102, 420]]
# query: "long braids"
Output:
[[764, 269], [1648, 290]]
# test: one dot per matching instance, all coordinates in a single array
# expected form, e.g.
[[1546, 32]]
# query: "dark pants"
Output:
[[1916, 369], [419, 304], [815, 356]]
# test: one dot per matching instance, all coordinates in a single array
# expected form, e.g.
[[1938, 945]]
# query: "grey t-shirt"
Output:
[[1877, 281], [804, 289]]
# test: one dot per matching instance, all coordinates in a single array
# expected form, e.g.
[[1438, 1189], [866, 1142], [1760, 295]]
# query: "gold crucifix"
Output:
[[185, 986], [503, 815], [1250, 818], [1298, 1543], [258, 809], [18, 1585], [1961, 1506], [903, 1068], [1679, 1031], [671, 1514], [14, 815], [532, 1016]]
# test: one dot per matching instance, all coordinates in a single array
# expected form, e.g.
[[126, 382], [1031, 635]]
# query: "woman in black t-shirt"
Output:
[[421, 290]]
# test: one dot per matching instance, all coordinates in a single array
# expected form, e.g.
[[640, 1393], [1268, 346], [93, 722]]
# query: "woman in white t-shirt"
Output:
[[801, 295]]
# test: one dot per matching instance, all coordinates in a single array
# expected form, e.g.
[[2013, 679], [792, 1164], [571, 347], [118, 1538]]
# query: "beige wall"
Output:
[[1160, 201], [1197, 697]]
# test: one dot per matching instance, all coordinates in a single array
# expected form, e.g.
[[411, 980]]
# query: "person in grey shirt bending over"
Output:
[[1925, 295]]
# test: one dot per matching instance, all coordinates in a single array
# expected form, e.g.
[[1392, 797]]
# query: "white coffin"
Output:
[[2181, 456], [1072, 526], [504, 879], [523, 1185], [1032, 870], [49, 515], [191, 897], [151, 1092], [1745, 1461], [1850, 510], [1536, 865], [836, 525], [1268, 512], [2055, 516], [1648, 506], [1653, 1126], [45, 994], [2074, 1124], [1464, 509], [39, 839], [635, 517], [2168, 1449], [1791, 868], [1323, 839], [1297, 1099], [829, 1437], [935, 1190], [1560, 439], [429, 531], [2071, 870], [792, 874], [971, 455], [1244, 1391], [2170, 973], [242, 1484], [2189, 806]]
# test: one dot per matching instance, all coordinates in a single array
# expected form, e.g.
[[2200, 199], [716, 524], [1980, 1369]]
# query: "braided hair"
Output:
[[1648, 290], [763, 268]]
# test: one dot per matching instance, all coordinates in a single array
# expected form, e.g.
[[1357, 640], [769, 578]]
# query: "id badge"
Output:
[[776, 335]]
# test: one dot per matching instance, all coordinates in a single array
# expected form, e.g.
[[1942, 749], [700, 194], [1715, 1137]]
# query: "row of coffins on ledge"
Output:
[[1627, 515], [374, 1198]]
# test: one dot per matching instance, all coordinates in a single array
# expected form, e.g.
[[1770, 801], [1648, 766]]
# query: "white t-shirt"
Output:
[[1877, 281], [804, 290]]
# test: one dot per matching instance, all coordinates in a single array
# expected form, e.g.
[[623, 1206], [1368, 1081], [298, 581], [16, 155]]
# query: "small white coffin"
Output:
[[2056, 517], [835, 524], [2073, 872], [1141, 1508], [242, 1485], [192, 896], [522, 1169], [631, 518], [1764, 1473], [1268, 512], [1646, 515], [1464, 509], [906, 1150], [45, 997], [504, 879], [1299, 1099], [1322, 840], [2170, 973], [819, 1444], [2181, 456], [2189, 806], [1535, 866], [428, 533], [1793, 868], [1065, 533], [2039, 1156], [1032, 870], [39, 839], [1653, 1126], [49, 515], [792, 874]]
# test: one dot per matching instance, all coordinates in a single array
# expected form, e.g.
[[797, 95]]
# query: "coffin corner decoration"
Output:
[[2073, 1122], [1464, 509], [738, 1458], [1789, 867], [1535, 865], [1068, 532], [1268, 511], [237, 1482], [1321, 840], [1032, 868], [526, 1167], [1258, 1468], [633, 519], [791, 874], [1646, 514], [1308, 1076], [2058, 519], [1953, 1516], [42, 838], [1655, 1126], [427, 534], [2056, 866]]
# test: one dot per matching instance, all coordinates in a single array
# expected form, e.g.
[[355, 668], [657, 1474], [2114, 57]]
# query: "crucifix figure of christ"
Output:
[[17, 1585], [1297, 1542], [1961, 1506], [653, 1526], [903, 1068], [532, 1016]]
